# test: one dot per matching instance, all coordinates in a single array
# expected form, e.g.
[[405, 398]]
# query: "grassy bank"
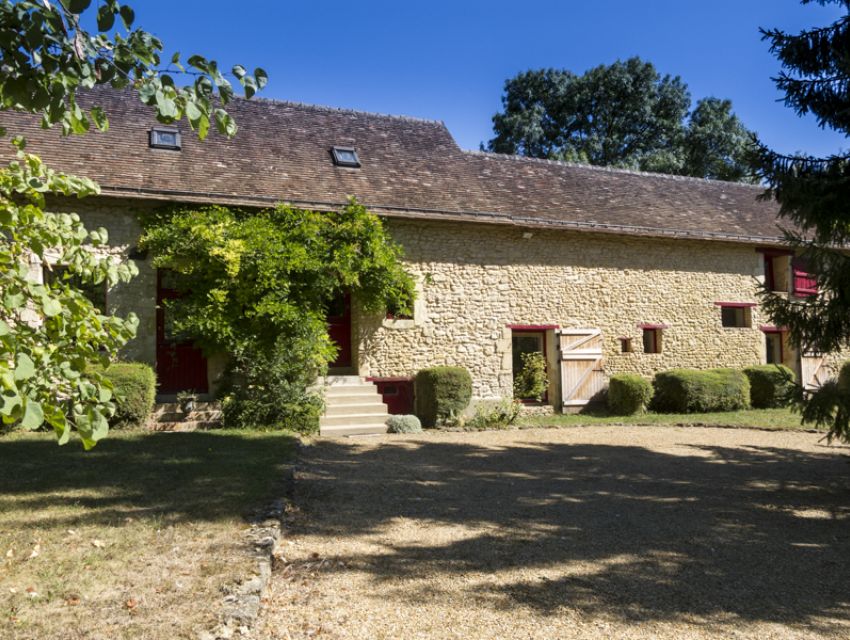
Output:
[[134, 539]]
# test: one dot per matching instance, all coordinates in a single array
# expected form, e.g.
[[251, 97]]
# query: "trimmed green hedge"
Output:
[[441, 392], [770, 385], [628, 394], [134, 389], [700, 391]]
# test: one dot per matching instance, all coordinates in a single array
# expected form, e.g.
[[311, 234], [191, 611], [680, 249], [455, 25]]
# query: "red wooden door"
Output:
[[339, 330], [180, 365]]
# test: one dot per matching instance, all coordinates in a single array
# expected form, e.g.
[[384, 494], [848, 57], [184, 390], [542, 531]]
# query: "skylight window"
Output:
[[165, 138], [345, 157]]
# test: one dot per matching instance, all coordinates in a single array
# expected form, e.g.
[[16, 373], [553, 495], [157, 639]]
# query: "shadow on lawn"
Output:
[[756, 532], [170, 476]]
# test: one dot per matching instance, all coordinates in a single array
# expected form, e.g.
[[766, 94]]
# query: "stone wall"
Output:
[[474, 280]]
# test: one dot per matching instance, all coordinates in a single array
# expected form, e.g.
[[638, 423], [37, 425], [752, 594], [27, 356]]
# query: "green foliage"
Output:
[[531, 382], [257, 285], [48, 56], [771, 385], [813, 194], [700, 391], [134, 389], [404, 424], [624, 115], [628, 394], [828, 407], [717, 144], [50, 332], [494, 416], [270, 388], [441, 393]]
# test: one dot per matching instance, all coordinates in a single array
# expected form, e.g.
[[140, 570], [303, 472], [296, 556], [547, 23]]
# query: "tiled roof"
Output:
[[410, 167]]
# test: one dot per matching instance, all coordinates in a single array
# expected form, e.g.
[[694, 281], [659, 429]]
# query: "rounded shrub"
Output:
[[700, 391], [134, 392], [441, 393], [404, 424], [628, 394], [770, 385]]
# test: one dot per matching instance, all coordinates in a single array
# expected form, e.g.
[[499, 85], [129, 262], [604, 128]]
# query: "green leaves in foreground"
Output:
[[50, 333], [48, 56]]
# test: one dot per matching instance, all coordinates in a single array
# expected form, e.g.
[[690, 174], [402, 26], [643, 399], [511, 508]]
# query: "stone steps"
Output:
[[168, 416], [352, 407]]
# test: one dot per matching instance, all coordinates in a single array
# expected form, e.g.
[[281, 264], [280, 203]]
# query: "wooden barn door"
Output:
[[813, 373], [582, 376]]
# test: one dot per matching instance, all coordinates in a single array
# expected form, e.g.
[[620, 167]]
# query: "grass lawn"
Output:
[[758, 418], [134, 539]]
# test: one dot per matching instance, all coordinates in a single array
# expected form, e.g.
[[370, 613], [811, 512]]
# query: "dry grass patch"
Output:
[[781, 419], [135, 539]]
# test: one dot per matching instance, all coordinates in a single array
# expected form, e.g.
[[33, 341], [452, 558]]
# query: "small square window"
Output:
[[626, 345], [161, 138], [736, 317], [345, 157], [652, 340]]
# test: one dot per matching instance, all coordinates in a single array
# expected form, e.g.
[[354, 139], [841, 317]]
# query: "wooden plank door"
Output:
[[813, 373], [582, 375]]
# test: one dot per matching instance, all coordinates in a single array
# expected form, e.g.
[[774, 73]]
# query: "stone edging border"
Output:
[[242, 604]]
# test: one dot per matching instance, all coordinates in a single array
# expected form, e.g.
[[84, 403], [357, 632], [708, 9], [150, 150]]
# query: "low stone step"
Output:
[[353, 420], [173, 407], [339, 409], [186, 425], [358, 430], [361, 399], [178, 416]]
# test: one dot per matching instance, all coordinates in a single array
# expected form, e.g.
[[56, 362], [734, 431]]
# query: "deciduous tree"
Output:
[[623, 115], [50, 333]]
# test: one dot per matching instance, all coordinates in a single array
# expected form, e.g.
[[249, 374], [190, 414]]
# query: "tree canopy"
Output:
[[625, 115], [50, 332], [814, 197]]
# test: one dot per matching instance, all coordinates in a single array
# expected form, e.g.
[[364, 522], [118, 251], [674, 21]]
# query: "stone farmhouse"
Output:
[[601, 270]]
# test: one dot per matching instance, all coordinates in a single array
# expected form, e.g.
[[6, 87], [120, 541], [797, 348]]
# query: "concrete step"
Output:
[[365, 389], [353, 420], [358, 430], [360, 408]]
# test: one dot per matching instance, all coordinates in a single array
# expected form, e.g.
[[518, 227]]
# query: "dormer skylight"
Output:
[[345, 157], [165, 138]]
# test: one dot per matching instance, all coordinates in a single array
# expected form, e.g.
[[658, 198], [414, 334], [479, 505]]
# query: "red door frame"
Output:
[[180, 365], [339, 330]]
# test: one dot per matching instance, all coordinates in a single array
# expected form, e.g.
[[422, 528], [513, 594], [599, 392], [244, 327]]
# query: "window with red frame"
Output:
[[805, 284]]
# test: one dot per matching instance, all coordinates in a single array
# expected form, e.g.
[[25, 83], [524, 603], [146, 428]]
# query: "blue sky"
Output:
[[448, 60]]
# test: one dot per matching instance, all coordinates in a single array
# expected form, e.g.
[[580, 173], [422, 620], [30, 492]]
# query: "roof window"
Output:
[[345, 157], [165, 138]]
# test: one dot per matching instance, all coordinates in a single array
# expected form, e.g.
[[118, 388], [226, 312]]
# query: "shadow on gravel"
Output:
[[756, 532]]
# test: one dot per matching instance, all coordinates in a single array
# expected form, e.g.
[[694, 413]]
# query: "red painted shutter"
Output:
[[805, 284]]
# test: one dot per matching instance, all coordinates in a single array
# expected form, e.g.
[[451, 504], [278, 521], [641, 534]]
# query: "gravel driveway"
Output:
[[598, 532]]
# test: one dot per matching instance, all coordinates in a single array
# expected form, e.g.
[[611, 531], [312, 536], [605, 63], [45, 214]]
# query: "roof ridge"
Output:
[[594, 167], [330, 109]]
